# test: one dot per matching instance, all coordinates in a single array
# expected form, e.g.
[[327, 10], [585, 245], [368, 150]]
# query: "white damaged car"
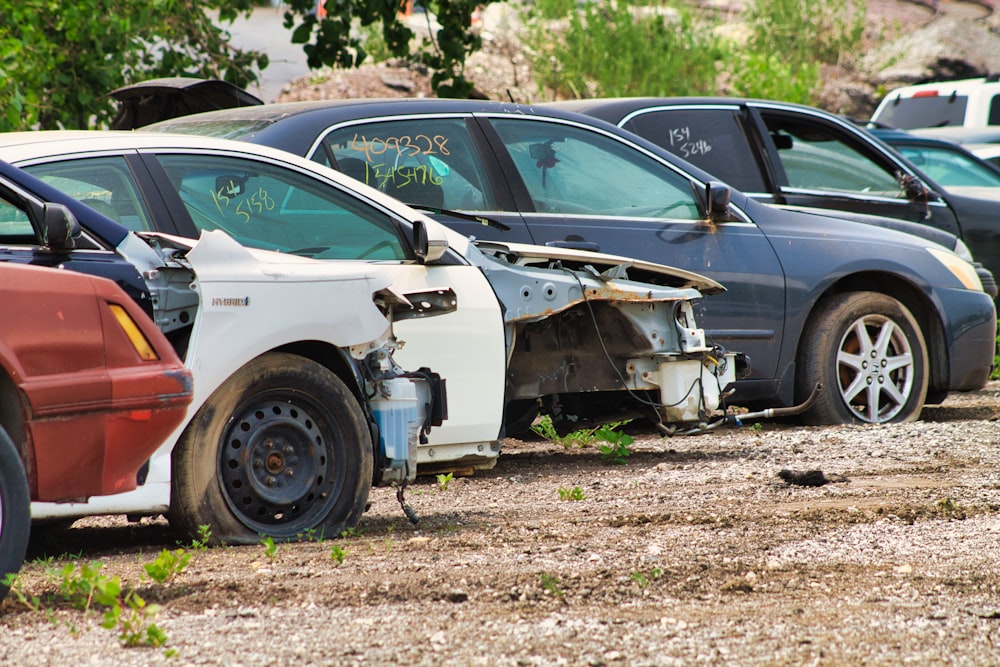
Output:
[[515, 330]]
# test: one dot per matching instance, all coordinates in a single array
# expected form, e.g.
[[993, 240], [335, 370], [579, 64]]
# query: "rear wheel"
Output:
[[282, 449], [868, 352], [15, 510]]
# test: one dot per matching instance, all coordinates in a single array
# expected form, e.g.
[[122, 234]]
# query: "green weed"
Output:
[[270, 548], [168, 565], [576, 493], [338, 554], [550, 584], [617, 448], [204, 537], [444, 480], [643, 579]]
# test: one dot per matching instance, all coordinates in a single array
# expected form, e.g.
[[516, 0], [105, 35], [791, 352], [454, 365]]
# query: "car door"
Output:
[[578, 185], [792, 157], [819, 163]]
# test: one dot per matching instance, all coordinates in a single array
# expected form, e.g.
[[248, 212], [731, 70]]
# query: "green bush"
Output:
[[608, 49], [806, 31], [619, 49]]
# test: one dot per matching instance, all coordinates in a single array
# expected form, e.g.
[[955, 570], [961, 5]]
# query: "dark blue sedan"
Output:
[[886, 321]]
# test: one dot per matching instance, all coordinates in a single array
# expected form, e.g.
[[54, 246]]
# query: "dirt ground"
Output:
[[694, 551]]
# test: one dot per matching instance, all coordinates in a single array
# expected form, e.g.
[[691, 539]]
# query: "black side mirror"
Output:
[[61, 228], [913, 187], [717, 199]]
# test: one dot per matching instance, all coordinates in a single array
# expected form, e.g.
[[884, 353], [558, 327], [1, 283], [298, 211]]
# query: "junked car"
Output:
[[280, 433], [950, 165], [516, 330], [886, 321], [89, 389], [797, 156]]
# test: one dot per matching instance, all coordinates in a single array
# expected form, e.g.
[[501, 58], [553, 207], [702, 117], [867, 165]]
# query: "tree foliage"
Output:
[[58, 60], [334, 38]]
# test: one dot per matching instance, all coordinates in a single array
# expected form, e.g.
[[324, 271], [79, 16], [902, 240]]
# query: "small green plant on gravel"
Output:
[[756, 427], [310, 535], [950, 508], [131, 616], [576, 493], [579, 438], [83, 586], [204, 537], [270, 548], [338, 554], [13, 582], [550, 584], [168, 565], [616, 450], [643, 579], [353, 531], [444, 479]]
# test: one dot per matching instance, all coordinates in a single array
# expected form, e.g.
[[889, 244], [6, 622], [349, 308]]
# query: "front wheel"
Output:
[[15, 510], [282, 449], [868, 352]]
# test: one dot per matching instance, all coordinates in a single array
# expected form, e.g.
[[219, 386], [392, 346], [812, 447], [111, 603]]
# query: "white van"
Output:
[[968, 103]]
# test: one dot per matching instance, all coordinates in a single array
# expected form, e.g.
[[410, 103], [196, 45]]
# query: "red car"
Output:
[[89, 388]]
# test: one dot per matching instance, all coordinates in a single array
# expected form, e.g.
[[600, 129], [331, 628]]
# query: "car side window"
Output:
[[105, 184], [710, 139], [815, 158], [15, 226], [267, 206], [570, 170], [426, 161]]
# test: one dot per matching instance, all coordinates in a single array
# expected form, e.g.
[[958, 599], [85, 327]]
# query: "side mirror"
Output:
[[61, 228], [913, 187], [717, 199], [429, 243]]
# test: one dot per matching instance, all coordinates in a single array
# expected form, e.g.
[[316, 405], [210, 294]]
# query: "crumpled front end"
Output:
[[589, 346]]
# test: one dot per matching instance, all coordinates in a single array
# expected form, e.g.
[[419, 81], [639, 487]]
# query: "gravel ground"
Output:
[[693, 552]]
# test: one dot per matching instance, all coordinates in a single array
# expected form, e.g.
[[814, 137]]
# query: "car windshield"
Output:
[[266, 206], [949, 167]]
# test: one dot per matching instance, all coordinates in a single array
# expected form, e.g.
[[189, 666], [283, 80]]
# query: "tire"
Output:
[[282, 449], [838, 349], [15, 510]]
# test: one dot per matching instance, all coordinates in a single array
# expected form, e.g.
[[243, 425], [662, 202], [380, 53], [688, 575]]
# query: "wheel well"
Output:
[[915, 301], [334, 359], [340, 362]]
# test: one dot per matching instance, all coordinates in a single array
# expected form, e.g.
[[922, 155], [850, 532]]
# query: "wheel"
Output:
[[869, 354], [281, 449], [15, 510]]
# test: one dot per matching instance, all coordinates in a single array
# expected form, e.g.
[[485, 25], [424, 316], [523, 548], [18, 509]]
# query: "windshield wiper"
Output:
[[489, 222]]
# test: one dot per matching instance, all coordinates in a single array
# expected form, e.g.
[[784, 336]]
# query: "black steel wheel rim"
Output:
[[277, 464]]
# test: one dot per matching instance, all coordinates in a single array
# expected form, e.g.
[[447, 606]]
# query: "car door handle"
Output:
[[575, 245]]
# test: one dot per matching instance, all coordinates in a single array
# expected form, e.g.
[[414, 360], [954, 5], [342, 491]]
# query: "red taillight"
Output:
[[926, 93]]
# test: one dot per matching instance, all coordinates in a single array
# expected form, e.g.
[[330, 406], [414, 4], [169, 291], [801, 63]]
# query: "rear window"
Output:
[[932, 111]]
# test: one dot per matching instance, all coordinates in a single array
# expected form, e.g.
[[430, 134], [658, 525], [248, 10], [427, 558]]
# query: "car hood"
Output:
[[521, 254], [926, 232]]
